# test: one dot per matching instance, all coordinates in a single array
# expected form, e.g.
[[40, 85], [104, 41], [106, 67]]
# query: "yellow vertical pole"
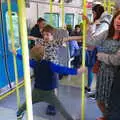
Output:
[[83, 63], [51, 11], [13, 48], [105, 6], [112, 5], [109, 6], [25, 53], [63, 13]]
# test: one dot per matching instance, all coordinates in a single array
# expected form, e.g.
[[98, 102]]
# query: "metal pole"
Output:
[[83, 63], [63, 13], [109, 6], [51, 11], [105, 6], [13, 48], [24, 41]]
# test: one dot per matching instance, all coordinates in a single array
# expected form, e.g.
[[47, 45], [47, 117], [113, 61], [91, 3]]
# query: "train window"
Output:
[[69, 19], [55, 19], [15, 29], [79, 19], [90, 17]]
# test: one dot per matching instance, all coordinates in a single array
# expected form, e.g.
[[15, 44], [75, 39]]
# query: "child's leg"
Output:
[[52, 99], [36, 97], [51, 110]]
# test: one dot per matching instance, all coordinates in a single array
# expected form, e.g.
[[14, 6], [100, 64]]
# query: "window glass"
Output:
[[55, 19], [15, 29], [69, 19]]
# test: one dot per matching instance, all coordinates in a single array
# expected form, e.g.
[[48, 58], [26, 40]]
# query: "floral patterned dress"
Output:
[[106, 74]]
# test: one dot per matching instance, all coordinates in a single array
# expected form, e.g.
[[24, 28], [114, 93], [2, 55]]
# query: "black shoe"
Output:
[[91, 95], [51, 110], [20, 115], [87, 89]]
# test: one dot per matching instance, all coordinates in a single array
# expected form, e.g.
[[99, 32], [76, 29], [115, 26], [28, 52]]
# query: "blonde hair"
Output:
[[37, 52]]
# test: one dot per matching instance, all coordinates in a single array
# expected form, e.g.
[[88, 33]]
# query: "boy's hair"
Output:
[[37, 52], [49, 28]]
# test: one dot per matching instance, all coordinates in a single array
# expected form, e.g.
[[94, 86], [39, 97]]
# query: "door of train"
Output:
[[4, 79], [5, 35]]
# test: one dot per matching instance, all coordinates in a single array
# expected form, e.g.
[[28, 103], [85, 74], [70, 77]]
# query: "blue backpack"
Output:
[[91, 57]]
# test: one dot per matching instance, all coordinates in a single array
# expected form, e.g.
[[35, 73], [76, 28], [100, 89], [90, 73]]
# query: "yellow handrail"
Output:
[[13, 48], [25, 53], [63, 13], [83, 64], [109, 6], [11, 91], [51, 11], [105, 5]]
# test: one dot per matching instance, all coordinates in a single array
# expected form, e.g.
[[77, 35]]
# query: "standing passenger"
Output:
[[106, 74]]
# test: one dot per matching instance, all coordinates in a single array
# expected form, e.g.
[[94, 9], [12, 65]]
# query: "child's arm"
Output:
[[19, 56], [77, 38], [65, 70]]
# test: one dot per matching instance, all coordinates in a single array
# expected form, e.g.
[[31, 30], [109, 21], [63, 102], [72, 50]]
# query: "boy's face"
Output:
[[47, 36]]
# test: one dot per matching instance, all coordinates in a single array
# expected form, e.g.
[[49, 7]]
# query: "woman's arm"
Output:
[[95, 37], [111, 59]]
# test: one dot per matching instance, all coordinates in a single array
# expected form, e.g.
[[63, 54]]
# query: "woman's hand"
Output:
[[101, 56], [84, 17]]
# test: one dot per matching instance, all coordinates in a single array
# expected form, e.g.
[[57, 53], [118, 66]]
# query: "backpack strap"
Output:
[[104, 21]]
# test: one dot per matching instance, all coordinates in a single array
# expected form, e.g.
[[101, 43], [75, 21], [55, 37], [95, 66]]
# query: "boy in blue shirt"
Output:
[[45, 81]]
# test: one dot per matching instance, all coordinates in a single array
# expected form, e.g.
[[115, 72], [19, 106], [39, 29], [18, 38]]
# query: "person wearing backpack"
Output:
[[101, 20]]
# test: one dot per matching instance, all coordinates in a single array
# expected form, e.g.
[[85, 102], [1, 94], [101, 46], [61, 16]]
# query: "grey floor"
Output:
[[69, 96]]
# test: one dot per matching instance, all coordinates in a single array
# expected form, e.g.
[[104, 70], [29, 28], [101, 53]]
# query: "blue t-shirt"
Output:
[[45, 73]]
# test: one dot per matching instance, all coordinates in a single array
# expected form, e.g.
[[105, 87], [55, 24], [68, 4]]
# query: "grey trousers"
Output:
[[49, 97]]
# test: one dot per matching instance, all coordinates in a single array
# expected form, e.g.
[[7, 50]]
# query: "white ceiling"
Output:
[[76, 3]]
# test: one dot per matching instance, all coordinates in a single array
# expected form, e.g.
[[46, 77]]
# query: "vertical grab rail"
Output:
[[13, 48], [63, 13], [83, 64], [25, 53], [51, 11], [109, 6], [105, 5]]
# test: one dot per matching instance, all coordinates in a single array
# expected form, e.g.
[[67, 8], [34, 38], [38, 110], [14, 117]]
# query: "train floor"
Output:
[[69, 96]]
